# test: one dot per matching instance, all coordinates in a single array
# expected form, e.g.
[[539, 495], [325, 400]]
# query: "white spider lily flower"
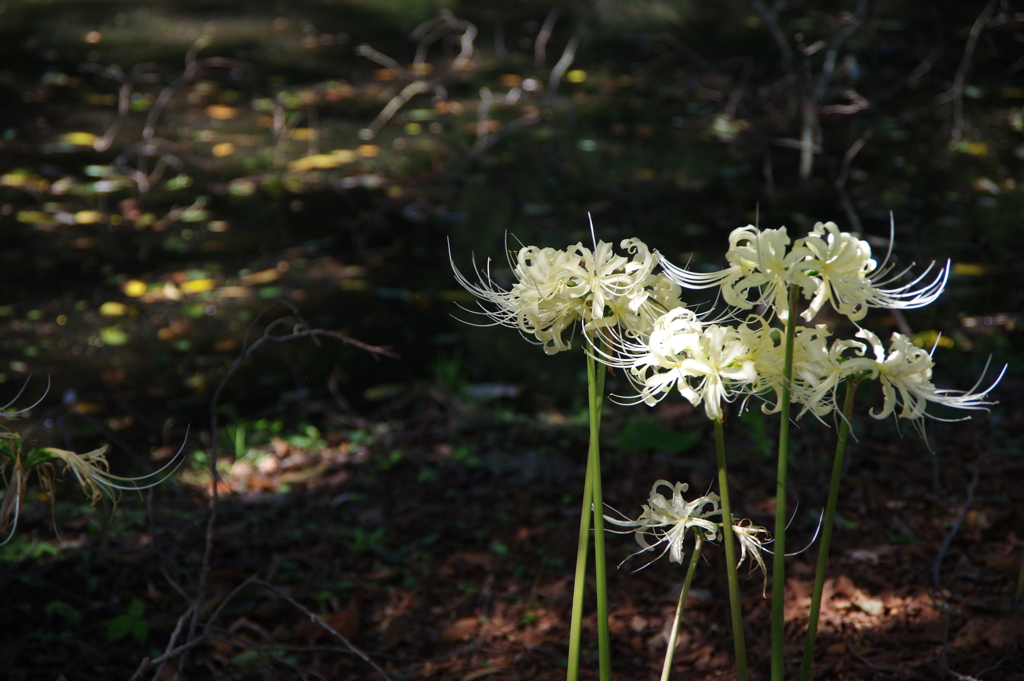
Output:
[[666, 520], [905, 372], [719, 364], [758, 259], [556, 289], [819, 379], [707, 364], [846, 276]]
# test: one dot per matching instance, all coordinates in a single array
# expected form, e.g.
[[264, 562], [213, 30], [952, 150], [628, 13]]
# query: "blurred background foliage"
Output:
[[168, 169]]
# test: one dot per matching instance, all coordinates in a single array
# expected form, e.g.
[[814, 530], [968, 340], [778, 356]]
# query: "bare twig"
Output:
[[193, 69], [844, 167], [490, 139], [540, 44], [769, 18], [569, 53], [975, 473], [828, 67], [173, 652], [957, 93], [141, 72], [314, 618], [299, 329], [418, 83]]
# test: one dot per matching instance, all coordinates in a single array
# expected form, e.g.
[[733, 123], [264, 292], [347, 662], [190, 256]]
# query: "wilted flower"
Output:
[[90, 469], [749, 536]]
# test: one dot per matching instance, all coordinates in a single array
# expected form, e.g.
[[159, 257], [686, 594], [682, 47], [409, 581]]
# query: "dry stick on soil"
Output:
[[173, 652], [166, 152], [426, 34], [808, 92], [844, 173], [975, 473], [300, 329], [919, 665], [569, 53], [957, 93], [540, 44]]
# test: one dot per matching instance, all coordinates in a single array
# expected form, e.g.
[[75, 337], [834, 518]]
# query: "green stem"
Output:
[[779, 557], [667, 667], [730, 557], [826, 532], [592, 505], [595, 380], [576, 619]]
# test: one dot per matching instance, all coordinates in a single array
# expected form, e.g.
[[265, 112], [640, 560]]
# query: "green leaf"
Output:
[[119, 627], [137, 609], [649, 434]]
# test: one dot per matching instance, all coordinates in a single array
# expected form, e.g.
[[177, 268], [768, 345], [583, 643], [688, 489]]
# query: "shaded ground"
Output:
[[156, 194], [441, 544]]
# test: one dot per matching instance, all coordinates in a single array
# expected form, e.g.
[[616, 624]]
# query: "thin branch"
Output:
[[957, 93], [314, 618], [425, 34], [936, 567], [193, 69], [844, 167], [540, 44]]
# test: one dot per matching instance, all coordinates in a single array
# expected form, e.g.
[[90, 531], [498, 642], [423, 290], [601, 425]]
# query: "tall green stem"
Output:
[[673, 637], [730, 557], [779, 557], [592, 504], [826, 532], [595, 379], [576, 619]]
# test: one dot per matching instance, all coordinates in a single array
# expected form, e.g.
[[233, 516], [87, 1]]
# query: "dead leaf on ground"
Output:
[[461, 629]]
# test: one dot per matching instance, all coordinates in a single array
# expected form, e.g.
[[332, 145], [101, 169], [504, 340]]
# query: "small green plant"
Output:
[[132, 623]]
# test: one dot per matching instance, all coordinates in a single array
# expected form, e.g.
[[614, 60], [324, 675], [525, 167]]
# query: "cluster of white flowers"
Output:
[[556, 289], [828, 265], [667, 520], [663, 345], [713, 364]]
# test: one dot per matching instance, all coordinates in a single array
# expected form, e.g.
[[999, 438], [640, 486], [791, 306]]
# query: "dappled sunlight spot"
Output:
[[26, 181], [113, 308], [261, 277], [279, 466], [968, 269], [233, 292], [322, 161], [133, 288], [222, 112], [79, 139], [193, 286], [367, 150], [304, 134], [223, 150]]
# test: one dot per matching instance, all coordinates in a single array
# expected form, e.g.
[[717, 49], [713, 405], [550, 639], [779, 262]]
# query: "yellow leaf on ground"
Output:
[[222, 112], [112, 308], [198, 285]]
